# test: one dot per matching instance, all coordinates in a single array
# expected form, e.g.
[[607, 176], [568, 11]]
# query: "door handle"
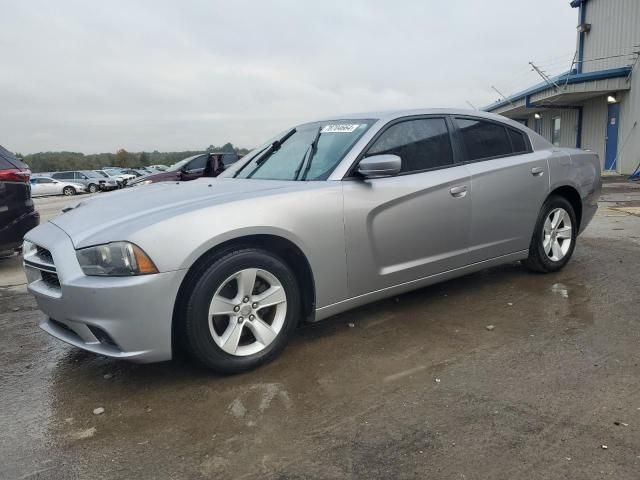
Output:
[[459, 191], [537, 171]]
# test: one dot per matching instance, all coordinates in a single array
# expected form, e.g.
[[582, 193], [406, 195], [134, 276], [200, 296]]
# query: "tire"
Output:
[[68, 191], [92, 188], [544, 255], [262, 330]]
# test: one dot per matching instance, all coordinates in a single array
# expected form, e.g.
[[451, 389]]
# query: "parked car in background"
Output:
[[88, 178], [136, 173], [118, 181], [118, 173], [325, 217], [160, 168], [203, 165], [42, 186], [17, 213]]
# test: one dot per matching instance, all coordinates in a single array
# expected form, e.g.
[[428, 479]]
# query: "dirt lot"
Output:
[[418, 387]]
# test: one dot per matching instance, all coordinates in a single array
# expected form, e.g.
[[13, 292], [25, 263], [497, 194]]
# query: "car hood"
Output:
[[111, 216]]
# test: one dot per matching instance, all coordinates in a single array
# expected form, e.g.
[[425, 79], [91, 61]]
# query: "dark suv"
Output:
[[203, 165], [17, 214]]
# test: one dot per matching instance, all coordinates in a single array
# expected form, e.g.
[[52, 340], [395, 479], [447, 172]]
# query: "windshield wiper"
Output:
[[305, 163], [266, 153], [274, 147]]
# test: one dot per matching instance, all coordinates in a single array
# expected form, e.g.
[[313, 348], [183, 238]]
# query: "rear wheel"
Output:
[[68, 191], [93, 188], [554, 237], [241, 310]]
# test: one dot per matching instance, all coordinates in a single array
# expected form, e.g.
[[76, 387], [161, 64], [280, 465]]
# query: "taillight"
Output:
[[15, 175]]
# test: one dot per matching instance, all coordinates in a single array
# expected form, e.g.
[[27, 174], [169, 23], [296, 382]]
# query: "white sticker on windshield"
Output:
[[340, 128]]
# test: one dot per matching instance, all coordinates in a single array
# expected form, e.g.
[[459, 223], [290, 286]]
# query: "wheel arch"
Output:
[[572, 195], [286, 249]]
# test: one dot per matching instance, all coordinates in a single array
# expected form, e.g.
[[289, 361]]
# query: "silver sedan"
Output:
[[322, 218]]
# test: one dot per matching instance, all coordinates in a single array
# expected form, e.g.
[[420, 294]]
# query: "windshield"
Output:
[[308, 152], [104, 174]]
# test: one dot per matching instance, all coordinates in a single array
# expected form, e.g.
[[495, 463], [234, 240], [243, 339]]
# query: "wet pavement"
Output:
[[418, 387]]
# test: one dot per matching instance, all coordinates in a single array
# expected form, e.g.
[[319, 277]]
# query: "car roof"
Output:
[[387, 115]]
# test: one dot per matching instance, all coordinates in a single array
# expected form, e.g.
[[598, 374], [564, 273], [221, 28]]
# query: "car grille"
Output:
[[44, 255], [41, 261]]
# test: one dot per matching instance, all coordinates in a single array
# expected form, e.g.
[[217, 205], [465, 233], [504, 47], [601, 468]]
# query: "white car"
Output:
[[117, 173], [41, 186]]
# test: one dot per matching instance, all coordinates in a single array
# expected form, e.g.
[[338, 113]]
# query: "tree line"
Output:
[[57, 161]]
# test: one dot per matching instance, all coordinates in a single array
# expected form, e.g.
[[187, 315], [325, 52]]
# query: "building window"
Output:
[[537, 125], [555, 132]]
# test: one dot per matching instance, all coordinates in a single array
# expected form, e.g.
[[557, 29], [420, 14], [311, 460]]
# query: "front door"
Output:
[[611, 146], [412, 225]]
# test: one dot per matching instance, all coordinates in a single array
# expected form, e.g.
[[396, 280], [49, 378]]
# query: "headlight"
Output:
[[117, 259], [28, 248]]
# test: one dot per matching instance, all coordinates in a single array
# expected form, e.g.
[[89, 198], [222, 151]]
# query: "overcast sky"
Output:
[[95, 76]]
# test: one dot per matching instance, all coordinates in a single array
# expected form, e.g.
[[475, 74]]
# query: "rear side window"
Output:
[[421, 144], [483, 139], [517, 141], [63, 175], [229, 159]]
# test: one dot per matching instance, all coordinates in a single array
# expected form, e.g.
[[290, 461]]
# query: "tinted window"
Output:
[[44, 180], [199, 162], [63, 175], [483, 139], [421, 144], [518, 141], [229, 159]]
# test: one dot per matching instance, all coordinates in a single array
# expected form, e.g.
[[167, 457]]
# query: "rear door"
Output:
[[413, 225], [509, 182]]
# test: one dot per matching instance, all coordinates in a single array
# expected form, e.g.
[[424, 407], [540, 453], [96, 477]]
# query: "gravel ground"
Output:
[[412, 387]]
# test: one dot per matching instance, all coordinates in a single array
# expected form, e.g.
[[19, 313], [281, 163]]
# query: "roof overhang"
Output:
[[566, 90]]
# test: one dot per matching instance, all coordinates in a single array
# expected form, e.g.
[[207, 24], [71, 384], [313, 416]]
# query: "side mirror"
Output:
[[378, 166]]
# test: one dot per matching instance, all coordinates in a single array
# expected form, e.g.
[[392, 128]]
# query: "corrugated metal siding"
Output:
[[594, 125], [614, 31], [568, 125]]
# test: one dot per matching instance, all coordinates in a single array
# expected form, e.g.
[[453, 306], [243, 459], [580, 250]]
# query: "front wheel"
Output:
[[554, 237], [241, 311], [68, 191], [93, 188]]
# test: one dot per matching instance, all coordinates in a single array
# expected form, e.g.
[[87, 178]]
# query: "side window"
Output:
[[483, 139], [197, 163], [517, 141], [421, 144], [45, 180], [63, 175], [229, 159]]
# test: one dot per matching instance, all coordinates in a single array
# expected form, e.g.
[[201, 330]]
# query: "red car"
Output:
[[203, 165]]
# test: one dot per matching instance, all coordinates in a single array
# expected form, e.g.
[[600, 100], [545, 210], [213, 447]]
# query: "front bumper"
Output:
[[119, 317]]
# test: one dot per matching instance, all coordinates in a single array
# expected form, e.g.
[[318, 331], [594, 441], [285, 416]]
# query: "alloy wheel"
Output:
[[247, 312], [557, 234]]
